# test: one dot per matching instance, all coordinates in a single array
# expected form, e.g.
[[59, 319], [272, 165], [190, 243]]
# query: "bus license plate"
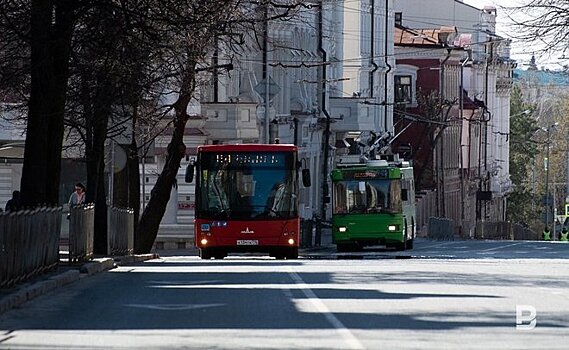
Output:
[[247, 242]]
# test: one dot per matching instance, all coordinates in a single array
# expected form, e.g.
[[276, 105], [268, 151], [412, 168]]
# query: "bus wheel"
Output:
[[205, 253], [410, 244], [220, 256], [293, 254]]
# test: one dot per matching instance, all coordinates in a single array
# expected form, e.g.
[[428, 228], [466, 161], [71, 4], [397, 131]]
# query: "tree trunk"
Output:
[[50, 49], [160, 194], [100, 239], [121, 179], [134, 184]]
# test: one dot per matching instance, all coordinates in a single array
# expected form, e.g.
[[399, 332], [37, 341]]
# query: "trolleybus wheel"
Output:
[[410, 241], [400, 246]]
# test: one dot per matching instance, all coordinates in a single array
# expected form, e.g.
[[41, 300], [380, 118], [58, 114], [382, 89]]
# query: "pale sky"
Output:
[[518, 50]]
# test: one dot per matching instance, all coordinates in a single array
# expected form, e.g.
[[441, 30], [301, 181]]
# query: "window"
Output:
[[398, 18], [403, 89], [405, 85]]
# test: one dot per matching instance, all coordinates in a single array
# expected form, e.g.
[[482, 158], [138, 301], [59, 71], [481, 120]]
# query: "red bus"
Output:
[[247, 199]]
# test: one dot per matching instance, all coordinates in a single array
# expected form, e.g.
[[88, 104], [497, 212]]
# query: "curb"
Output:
[[97, 265], [39, 288], [132, 259]]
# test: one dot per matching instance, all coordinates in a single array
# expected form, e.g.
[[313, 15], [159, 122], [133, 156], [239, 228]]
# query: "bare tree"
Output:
[[540, 24], [108, 62]]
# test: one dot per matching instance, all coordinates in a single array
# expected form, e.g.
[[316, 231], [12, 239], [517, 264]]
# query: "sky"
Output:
[[517, 49]]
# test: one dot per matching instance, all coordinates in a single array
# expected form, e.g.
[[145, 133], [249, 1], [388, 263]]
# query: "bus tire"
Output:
[[410, 244], [205, 253], [293, 254], [220, 255]]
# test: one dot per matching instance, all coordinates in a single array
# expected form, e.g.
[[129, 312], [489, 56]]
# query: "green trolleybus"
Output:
[[373, 204]]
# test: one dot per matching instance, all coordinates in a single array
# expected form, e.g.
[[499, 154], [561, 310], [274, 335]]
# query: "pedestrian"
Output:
[[563, 236], [546, 234], [13, 203], [78, 196]]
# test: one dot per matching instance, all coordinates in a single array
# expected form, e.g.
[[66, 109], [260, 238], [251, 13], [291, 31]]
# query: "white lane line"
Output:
[[349, 338], [436, 245], [500, 247]]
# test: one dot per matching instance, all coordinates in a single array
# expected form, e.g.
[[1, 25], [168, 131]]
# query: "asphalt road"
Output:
[[442, 295]]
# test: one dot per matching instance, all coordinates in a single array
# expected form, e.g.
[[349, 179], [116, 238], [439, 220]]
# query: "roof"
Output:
[[431, 37], [415, 37]]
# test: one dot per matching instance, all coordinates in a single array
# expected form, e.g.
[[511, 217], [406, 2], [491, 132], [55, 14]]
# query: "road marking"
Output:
[[440, 244], [172, 307], [349, 338], [500, 247], [206, 282]]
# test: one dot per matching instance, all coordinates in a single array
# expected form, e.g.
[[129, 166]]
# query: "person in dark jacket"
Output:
[[13, 203]]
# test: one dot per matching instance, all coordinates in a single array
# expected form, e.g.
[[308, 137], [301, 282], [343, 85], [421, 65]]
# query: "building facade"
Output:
[[452, 48]]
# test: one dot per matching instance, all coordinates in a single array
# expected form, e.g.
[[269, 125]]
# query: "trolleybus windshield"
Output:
[[247, 185], [367, 197]]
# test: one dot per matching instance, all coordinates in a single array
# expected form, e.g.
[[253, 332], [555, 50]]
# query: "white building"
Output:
[[12, 141], [487, 78], [330, 68]]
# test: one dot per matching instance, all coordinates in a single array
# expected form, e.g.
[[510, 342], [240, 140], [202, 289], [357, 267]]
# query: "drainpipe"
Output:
[[215, 63], [372, 49], [386, 77], [326, 137], [461, 173], [295, 121], [441, 172], [484, 139]]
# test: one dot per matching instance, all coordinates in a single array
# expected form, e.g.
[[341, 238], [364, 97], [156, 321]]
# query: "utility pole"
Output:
[[546, 163], [266, 74]]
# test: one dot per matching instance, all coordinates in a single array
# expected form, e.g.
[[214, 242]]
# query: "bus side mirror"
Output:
[[306, 177], [404, 195], [190, 172]]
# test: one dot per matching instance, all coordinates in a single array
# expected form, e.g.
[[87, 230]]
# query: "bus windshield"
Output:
[[367, 197], [246, 185]]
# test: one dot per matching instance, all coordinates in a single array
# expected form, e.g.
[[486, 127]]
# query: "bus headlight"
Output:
[[392, 228], [203, 241], [342, 229], [291, 241]]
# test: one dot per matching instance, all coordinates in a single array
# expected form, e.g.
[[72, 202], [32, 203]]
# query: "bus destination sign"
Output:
[[367, 174]]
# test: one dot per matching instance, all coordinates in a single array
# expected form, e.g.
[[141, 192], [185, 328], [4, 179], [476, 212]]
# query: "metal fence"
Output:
[[440, 229], [29, 243], [504, 230], [121, 231], [425, 204], [81, 232]]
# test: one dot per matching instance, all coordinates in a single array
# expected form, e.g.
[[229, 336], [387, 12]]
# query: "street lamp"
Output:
[[546, 164]]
